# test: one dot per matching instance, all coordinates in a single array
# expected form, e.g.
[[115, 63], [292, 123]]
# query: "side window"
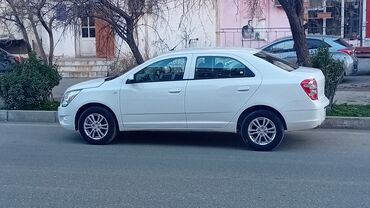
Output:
[[217, 67], [315, 44], [165, 70], [281, 47]]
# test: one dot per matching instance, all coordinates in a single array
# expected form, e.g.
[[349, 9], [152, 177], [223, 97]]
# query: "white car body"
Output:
[[202, 104]]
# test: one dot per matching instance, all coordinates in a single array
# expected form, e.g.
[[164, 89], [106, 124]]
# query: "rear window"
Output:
[[281, 63], [342, 42]]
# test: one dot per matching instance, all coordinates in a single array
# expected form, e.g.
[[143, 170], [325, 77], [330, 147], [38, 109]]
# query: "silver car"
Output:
[[339, 48]]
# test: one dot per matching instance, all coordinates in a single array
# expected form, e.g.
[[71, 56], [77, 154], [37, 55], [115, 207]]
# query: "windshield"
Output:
[[342, 42], [281, 63]]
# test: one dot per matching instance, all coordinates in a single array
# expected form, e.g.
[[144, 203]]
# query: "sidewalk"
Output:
[[354, 90]]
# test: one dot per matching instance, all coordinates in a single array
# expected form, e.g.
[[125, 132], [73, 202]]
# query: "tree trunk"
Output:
[[294, 11], [51, 49], [300, 41], [38, 39], [133, 46], [25, 37]]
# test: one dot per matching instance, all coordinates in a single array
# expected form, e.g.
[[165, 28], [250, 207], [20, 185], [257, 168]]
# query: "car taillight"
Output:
[[310, 88], [347, 51], [18, 59]]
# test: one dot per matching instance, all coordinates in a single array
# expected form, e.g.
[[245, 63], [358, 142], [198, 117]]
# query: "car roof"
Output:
[[212, 50]]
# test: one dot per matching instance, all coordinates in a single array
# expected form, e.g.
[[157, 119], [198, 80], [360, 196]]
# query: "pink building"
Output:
[[239, 27], [267, 24]]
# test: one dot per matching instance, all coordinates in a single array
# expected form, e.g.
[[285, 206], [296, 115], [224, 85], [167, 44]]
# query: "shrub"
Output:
[[332, 69], [28, 84]]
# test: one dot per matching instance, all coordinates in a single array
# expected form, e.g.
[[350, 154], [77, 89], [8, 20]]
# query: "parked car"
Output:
[[245, 91], [338, 47], [6, 60]]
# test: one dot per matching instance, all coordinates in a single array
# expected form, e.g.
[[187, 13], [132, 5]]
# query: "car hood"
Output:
[[87, 84]]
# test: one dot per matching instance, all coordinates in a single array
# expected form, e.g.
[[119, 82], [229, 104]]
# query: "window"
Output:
[[88, 27], [315, 44], [166, 70], [217, 67], [276, 61], [281, 47]]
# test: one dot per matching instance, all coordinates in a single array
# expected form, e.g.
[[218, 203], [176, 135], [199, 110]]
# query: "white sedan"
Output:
[[245, 91]]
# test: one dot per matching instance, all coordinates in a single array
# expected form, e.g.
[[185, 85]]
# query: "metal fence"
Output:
[[237, 37]]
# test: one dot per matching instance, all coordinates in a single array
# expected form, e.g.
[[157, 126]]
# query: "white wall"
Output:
[[64, 42], [173, 30]]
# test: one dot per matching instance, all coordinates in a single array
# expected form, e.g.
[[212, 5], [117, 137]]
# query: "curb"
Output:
[[334, 122], [331, 122], [28, 116]]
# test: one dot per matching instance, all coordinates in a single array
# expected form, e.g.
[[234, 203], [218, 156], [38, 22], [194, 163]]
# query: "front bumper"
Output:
[[66, 118]]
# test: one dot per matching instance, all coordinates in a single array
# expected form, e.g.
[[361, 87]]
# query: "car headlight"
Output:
[[68, 97]]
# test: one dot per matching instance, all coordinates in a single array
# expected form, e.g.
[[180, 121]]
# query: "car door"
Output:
[[314, 44], [154, 98], [283, 49], [219, 87]]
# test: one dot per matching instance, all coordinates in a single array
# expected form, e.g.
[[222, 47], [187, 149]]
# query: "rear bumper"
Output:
[[301, 120], [306, 119]]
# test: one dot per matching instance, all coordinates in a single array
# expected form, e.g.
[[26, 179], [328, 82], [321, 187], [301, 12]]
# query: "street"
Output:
[[43, 165]]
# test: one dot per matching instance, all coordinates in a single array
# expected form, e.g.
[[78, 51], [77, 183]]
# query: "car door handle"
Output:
[[174, 91], [243, 89]]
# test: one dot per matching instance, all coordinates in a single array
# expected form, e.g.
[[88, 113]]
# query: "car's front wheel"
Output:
[[262, 130], [97, 126]]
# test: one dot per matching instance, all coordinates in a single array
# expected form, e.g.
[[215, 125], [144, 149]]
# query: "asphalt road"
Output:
[[45, 166]]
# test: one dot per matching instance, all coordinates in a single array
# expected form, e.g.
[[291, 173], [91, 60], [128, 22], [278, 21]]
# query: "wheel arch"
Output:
[[255, 108], [89, 105]]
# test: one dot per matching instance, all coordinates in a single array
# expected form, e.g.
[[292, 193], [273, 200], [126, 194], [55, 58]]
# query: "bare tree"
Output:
[[43, 12], [294, 10], [13, 13], [28, 15]]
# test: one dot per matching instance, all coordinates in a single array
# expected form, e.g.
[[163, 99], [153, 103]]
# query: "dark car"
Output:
[[7, 60]]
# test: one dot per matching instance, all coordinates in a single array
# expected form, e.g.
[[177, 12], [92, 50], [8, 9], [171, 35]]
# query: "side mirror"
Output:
[[131, 80]]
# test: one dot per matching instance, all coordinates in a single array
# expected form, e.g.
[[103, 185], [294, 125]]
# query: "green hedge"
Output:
[[332, 69], [29, 84]]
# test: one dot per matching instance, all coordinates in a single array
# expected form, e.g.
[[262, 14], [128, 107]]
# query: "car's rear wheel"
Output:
[[262, 130], [97, 126]]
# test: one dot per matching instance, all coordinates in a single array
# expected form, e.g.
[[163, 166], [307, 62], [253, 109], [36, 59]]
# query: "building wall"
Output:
[[174, 29], [64, 42], [269, 23]]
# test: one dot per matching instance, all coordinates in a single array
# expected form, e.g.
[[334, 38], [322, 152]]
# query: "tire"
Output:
[[262, 137], [97, 126]]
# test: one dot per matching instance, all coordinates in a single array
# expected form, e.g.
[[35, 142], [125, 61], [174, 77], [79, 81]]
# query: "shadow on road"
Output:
[[291, 141], [224, 140]]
